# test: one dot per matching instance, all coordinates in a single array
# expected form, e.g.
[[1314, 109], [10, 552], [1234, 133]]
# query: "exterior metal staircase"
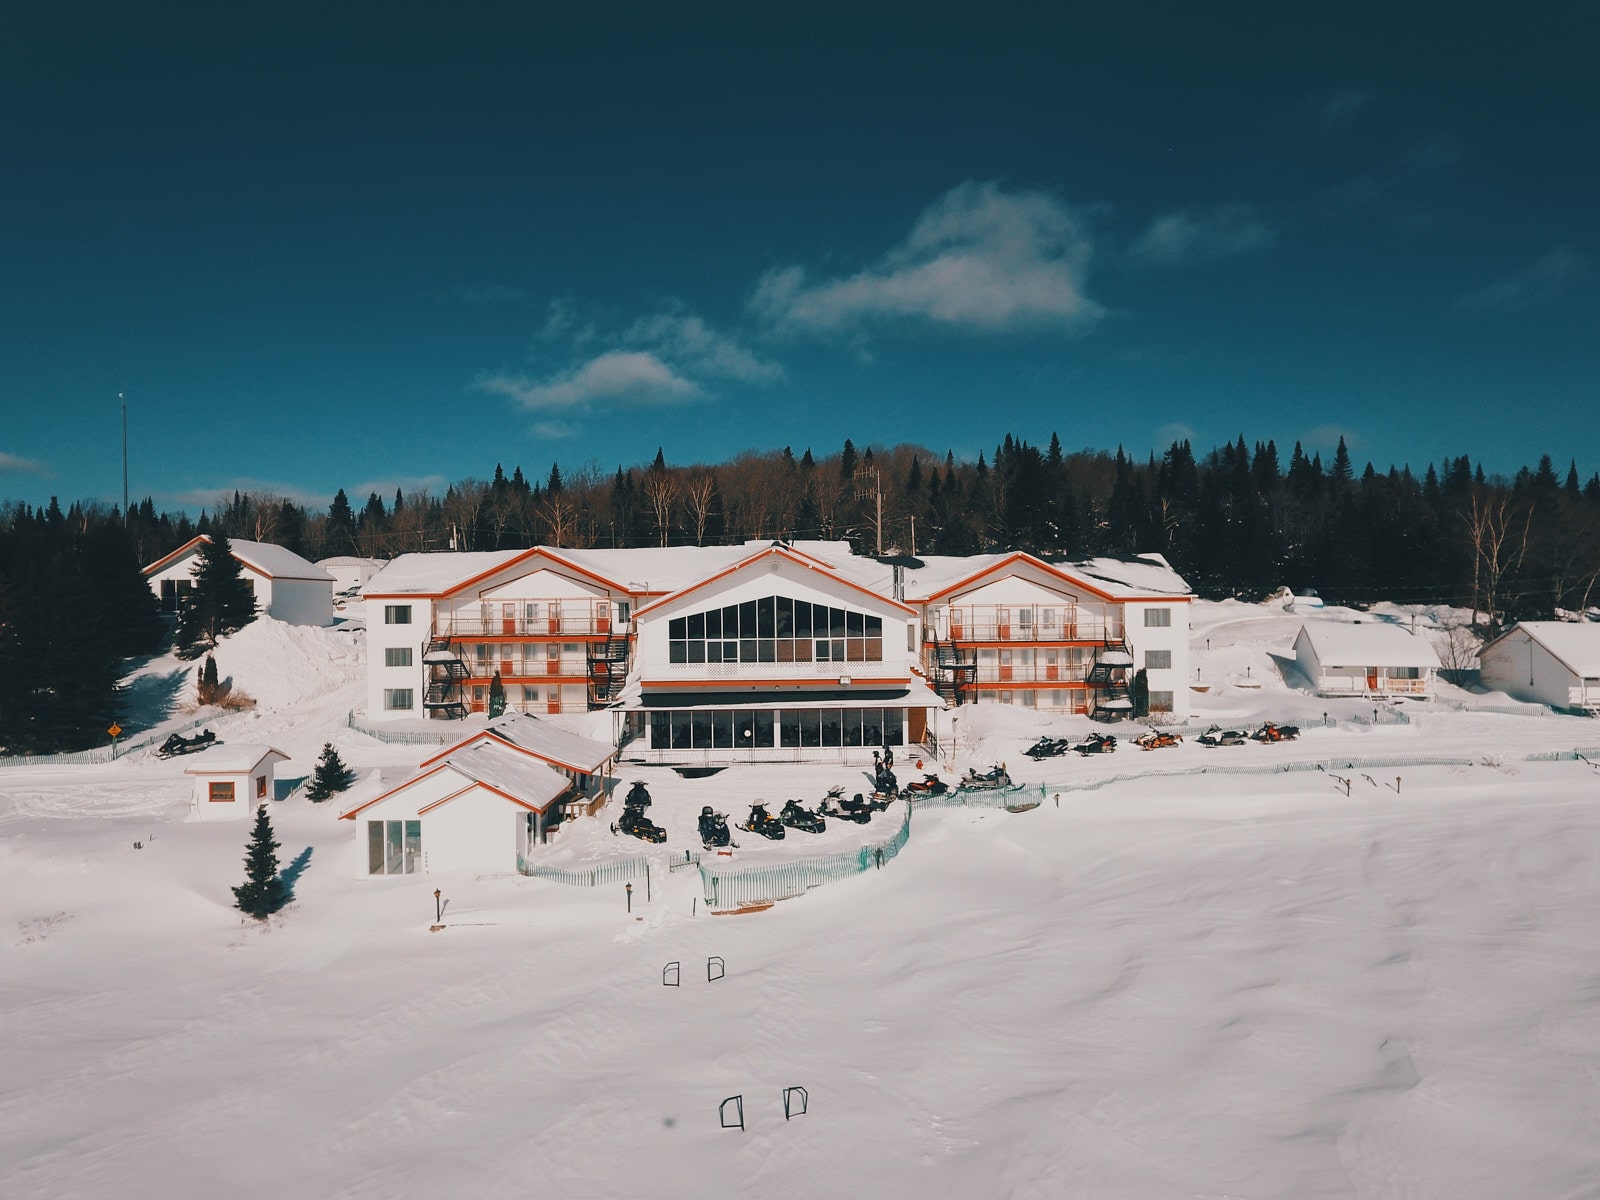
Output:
[[954, 673], [1108, 678], [608, 667], [447, 672]]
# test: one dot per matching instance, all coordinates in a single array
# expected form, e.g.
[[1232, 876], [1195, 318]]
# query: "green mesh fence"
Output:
[[763, 885]]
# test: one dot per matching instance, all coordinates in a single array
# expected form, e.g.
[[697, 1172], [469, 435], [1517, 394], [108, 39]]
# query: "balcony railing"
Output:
[[819, 671], [1361, 685], [564, 624], [991, 628]]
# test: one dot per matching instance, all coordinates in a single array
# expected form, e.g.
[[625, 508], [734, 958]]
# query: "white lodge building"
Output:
[[770, 650]]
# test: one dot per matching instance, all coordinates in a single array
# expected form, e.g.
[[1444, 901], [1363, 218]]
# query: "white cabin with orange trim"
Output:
[[287, 587], [233, 780]]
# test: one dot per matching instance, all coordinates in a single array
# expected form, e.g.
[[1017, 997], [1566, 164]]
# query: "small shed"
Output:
[[1549, 662], [587, 762], [481, 810], [231, 780], [1367, 659]]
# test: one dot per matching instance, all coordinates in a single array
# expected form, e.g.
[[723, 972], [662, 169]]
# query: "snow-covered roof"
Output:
[[518, 775], [915, 693], [231, 758], [1576, 644], [275, 562], [349, 560], [1368, 644], [662, 570], [1143, 576], [548, 741]]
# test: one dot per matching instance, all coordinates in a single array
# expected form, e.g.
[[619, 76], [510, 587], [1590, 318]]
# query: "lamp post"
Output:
[[438, 911], [629, 888]]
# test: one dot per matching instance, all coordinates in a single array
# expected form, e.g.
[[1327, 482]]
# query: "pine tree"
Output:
[[221, 602], [1139, 694], [208, 689], [330, 777], [497, 697], [262, 892]]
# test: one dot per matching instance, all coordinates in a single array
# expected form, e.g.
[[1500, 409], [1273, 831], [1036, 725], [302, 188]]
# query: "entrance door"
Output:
[[508, 618], [555, 617], [1372, 679], [1004, 620], [602, 617], [1005, 665]]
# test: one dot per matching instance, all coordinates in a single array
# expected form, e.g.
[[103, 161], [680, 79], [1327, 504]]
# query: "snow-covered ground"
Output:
[[1178, 985]]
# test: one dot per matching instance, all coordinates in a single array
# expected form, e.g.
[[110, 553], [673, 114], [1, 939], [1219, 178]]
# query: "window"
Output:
[[397, 656], [1158, 618], [261, 787], [1404, 673], [394, 847], [397, 699], [220, 791], [1158, 660], [1160, 701], [397, 614], [777, 629]]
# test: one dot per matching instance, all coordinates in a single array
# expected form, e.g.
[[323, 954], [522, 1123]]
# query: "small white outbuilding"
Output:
[[478, 808], [231, 780], [1367, 658], [1548, 662]]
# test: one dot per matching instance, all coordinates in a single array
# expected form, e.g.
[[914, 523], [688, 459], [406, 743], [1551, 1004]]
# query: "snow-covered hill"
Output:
[[1179, 985]]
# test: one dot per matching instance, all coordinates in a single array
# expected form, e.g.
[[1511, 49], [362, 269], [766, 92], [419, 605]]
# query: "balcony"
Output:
[[993, 624], [819, 672], [567, 622]]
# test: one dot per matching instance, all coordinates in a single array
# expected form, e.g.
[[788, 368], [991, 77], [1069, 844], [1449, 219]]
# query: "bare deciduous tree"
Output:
[[697, 496], [661, 490], [1498, 547]]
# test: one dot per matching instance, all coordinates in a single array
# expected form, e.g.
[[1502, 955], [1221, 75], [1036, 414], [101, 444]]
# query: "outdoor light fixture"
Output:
[[844, 680]]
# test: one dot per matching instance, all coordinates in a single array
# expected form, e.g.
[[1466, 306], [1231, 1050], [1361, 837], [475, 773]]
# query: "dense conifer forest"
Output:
[[1237, 521]]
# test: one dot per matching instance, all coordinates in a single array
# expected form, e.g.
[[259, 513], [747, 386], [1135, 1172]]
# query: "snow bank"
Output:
[[283, 665]]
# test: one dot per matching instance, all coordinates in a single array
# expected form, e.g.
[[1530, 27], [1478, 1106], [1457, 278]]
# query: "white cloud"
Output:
[[696, 348], [214, 496], [17, 465], [978, 258], [1202, 235], [554, 431], [1544, 279], [634, 377]]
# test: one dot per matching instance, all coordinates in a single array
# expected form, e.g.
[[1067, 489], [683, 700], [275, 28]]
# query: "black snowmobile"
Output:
[[634, 823], [858, 809], [803, 819], [178, 744], [1097, 743], [885, 785], [714, 829], [1048, 747], [995, 778], [763, 822], [1218, 736]]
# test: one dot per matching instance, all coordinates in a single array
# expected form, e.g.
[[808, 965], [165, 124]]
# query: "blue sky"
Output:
[[357, 246]]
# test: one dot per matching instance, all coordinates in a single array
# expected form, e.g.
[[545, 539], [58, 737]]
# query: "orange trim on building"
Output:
[[799, 560], [729, 685], [1065, 576]]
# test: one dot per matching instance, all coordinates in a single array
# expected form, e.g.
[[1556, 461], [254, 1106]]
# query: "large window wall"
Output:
[[775, 629], [767, 729]]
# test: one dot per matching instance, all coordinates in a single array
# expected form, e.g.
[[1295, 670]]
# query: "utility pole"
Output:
[[121, 396]]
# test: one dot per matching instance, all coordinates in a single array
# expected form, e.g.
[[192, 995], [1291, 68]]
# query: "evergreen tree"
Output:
[[208, 689], [1139, 694], [341, 529], [262, 892], [330, 777], [221, 601], [497, 697]]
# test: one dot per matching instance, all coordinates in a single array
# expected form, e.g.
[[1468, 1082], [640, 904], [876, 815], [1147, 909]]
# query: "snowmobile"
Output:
[[803, 819], [858, 809], [928, 785], [178, 744], [1276, 733], [638, 795], [763, 822], [1097, 743], [994, 779], [1218, 736], [1048, 747], [885, 785], [714, 829], [1157, 739], [635, 824]]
